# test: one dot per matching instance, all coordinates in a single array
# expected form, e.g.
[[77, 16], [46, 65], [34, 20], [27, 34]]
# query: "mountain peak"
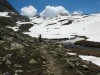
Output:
[[6, 6]]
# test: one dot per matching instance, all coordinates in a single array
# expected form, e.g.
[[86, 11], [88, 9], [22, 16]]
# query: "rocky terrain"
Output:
[[21, 54]]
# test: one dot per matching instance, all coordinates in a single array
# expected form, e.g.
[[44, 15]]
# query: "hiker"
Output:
[[40, 37]]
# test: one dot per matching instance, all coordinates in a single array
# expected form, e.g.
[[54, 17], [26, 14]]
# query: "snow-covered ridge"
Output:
[[63, 26]]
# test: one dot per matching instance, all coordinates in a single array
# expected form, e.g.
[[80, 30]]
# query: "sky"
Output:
[[86, 6]]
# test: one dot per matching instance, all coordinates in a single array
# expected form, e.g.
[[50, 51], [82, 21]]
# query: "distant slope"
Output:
[[65, 26]]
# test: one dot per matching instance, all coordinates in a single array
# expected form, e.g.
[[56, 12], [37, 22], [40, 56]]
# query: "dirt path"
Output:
[[52, 67], [56, 62]]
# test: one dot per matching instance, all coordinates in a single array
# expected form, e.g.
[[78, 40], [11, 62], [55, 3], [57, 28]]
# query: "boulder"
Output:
[[32, 61], [79, 72], [4, 58], [16, 46], [69, 64], [8, 62], [1, 42], [17, 66]]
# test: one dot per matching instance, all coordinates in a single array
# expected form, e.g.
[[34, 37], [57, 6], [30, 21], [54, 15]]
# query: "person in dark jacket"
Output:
[[40, 36]]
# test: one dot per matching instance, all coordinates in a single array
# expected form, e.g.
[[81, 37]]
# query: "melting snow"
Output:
[[71, 53], [19, 23], [83, 25], [16, 28], [4, 14], [93, 59]]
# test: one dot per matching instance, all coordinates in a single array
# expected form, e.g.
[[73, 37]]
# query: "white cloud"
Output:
[[28, 11], [78, 12], [51, 11]]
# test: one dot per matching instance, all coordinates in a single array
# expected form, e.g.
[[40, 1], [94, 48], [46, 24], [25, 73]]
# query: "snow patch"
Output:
[[84, 26], [93, 59], [71, 53], [16, 28], [4, 14]]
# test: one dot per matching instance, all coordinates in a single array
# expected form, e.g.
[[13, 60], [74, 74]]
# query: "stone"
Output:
[[8, 55], [77, 64], [69, 64], [6, 73], [53, 52], [8, 38], [1, 42], [22, 51], [86, 62], [19, 71], [16, 46], [32, 61], [17, 66], [4, 58], [85, 66], [79, 72], [8, 62], [0, 57]]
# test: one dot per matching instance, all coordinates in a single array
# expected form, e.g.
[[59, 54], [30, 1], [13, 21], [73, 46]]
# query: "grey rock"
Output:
[[4, 59], [18, 71], [17, 66], [1, 42], [8, 38], [0, 57], [85, 66], [86, 62], [8, 55], [32, 61], [6, 73], [77, 64], [21, 52], [79, 72], [8, 62], [16, 46], [69, 64]]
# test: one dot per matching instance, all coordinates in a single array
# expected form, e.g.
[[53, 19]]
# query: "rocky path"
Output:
[[54, 65], [50, 63], [23, 55], [56, 62]]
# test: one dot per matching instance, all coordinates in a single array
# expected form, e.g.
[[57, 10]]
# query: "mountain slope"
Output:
[[6, 6], [65, 26], [21, 54]]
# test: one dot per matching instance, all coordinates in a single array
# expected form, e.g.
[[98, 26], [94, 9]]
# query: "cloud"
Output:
[[51, 11], [78, 12], [28, 11]]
